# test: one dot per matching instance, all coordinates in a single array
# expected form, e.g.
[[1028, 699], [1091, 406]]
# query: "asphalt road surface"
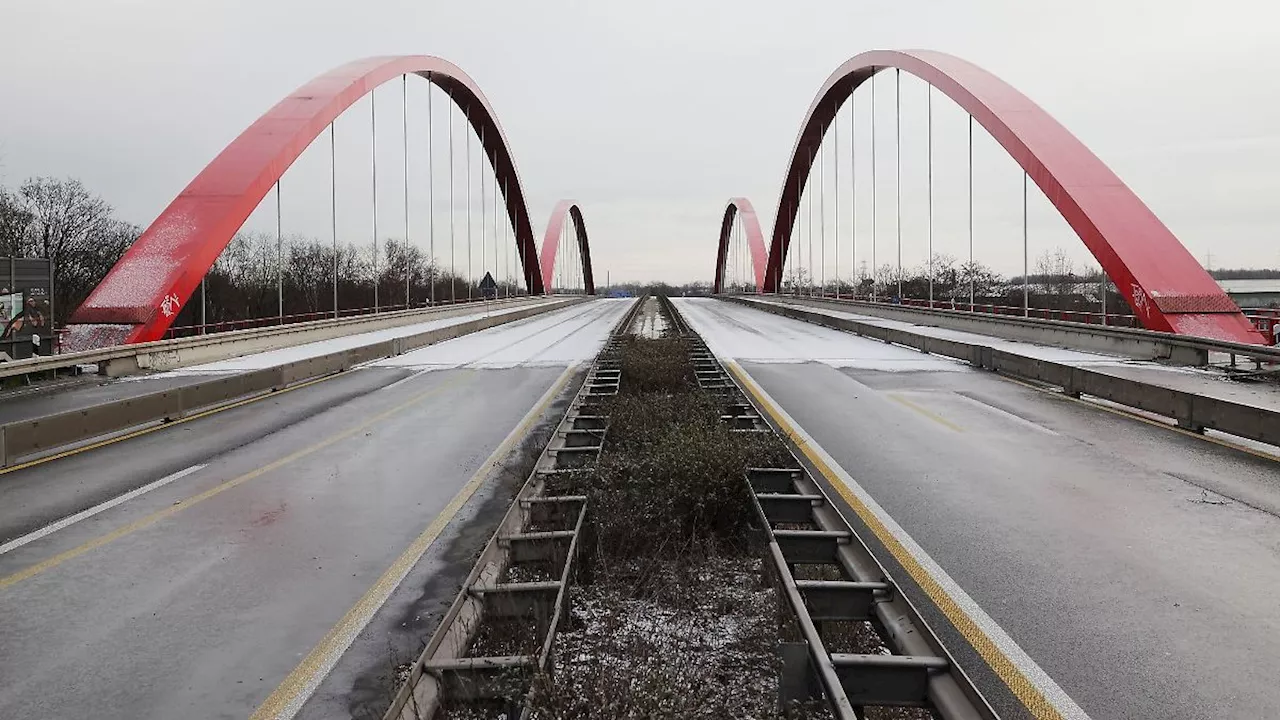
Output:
[[247, 540], [1139, 566]]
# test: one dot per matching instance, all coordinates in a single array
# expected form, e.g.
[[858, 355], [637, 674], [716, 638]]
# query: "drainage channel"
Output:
[[841, 588], [499, 633]]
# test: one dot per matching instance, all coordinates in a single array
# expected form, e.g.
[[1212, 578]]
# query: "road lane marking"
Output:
[[1016, 419], [288, 698], [181, 505], [1030, 684], [73, 519], [925, 412], [404, 380], [163, 425]]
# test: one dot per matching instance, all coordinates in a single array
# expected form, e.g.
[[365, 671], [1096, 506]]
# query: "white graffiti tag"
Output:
[[169, 305], [1140, 300]]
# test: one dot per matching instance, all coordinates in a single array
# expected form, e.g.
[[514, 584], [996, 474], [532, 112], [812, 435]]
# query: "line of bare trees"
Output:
[[64, 222], [60, 219], [249, 275], [1055, 284]]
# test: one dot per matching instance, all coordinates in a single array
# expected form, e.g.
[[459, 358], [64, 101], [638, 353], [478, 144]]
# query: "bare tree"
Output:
[[1057, 273]]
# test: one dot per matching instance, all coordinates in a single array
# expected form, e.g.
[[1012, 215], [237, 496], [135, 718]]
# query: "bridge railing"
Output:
[[166, 354], [1266, 320], [180, 331]]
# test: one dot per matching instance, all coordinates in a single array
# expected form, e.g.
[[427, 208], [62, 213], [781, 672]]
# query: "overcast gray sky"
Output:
[[653, 114]]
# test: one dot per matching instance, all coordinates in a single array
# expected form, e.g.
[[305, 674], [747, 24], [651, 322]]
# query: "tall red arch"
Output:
[[1162, 282], [551, 243], [741, 207], [139, 297]]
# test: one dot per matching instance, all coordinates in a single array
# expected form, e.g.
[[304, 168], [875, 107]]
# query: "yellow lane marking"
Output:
[[925, 412], [1140, 418], [1000, 663], [288, 698], [162, 426], [178, 507]]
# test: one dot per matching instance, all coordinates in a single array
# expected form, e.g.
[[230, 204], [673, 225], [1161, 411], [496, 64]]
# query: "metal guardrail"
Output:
[[220, 326], [138, 356], [1191, 411], [26, 438], [1170, 347]]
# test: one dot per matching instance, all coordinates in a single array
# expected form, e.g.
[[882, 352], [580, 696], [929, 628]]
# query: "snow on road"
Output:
[[1051, 353], [272, 358], [742, 333], [563, 337]]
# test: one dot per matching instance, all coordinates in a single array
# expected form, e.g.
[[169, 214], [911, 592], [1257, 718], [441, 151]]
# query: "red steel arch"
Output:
[[1162, 282], [755, 241], [551, 243], [139, 297]]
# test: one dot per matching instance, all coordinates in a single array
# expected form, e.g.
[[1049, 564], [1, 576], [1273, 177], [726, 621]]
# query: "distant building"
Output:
[[1253, 293]]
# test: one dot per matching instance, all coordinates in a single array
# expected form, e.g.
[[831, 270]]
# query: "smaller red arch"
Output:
[[551, 243], [742, 207]]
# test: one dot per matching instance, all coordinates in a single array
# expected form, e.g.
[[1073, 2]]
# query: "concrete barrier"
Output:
[[26, 438], [182, 352], [1127, 342], [1191, 411]]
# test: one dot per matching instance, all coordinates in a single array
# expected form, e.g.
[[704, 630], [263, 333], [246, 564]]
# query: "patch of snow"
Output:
[[281, 356], [741, 333], [572, 335]]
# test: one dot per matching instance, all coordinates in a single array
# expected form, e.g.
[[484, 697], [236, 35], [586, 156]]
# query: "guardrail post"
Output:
[[1184, 404], [4, 458], [1075, 381]]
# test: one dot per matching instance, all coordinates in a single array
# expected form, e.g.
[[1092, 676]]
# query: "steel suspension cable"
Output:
[[809, 211], [897, 178], [431, 194], [404, 127], [333, 214], [853, 189], [1026, 287], [279, 256], [972, 269], [373, 132], [822, 220], [470, 279], [929, 106], [453, 264], [875, 269]]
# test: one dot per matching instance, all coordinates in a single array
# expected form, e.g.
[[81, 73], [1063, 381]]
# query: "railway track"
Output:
[[848, 642]]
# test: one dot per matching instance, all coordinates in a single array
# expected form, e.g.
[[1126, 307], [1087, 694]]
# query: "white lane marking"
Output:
[[404, 380], [1007, 415], [1036, 675], [73, 519]]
